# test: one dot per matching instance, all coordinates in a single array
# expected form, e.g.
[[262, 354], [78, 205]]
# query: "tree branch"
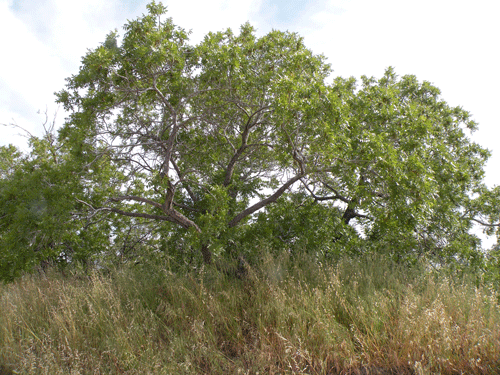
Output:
[[175, 218], [337, 195], [331, 197], [350, 213], [485, 224], [184, 184], [137, 199], [271, 199], [173, 215], [183, 206], [244, 140]]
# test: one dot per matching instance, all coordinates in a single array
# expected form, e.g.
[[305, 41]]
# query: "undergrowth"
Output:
[[365, 316]]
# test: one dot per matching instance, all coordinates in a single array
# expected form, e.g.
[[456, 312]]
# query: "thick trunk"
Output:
[[349, 214], [207, 255]]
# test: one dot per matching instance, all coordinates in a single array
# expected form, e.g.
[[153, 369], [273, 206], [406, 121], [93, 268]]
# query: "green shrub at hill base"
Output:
[[242, 139]]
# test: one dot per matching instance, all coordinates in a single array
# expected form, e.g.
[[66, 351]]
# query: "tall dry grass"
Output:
[[366, 316]]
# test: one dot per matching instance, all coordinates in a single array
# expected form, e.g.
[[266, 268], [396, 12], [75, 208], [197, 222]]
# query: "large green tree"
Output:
[[202, 138]]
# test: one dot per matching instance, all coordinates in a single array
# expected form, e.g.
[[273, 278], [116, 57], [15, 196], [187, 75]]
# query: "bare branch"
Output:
[[271, 199], [337, 195], [485, 224], [316, 198], [184, 184], [15, 126], [169, 197], [180, 205], [149, 216], [137, 199]]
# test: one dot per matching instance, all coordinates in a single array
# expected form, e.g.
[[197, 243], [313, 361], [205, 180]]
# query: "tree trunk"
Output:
[[207, 255]]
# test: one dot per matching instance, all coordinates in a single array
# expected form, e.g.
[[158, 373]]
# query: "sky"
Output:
[[453, 44]]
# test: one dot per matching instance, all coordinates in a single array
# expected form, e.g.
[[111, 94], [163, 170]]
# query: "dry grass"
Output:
[[358, 317]]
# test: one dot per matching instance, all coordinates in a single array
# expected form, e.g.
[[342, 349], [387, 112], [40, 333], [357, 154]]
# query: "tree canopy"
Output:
[[247, 139]]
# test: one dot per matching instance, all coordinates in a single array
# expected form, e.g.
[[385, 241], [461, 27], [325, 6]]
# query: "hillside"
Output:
[[365, 316]]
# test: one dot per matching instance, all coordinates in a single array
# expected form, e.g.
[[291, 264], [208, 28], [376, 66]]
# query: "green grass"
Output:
[[357, 317]]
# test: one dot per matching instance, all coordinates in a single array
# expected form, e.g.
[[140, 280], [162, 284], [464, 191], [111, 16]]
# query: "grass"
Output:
[[356, 317]]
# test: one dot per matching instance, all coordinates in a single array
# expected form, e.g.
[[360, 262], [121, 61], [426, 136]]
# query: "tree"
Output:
[[202, 138], [42, 195], [414, 168], [34, 209], [197, 132]]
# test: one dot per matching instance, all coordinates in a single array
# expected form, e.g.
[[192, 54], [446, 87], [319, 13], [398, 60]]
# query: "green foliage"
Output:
[[38, 220], [412, 168], [33, 210], [298, 225], [184, 152]]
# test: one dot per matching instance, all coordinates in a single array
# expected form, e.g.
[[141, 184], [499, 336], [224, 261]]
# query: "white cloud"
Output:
[[29, 73], [43, 43], [79, 26], [204, 16]]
